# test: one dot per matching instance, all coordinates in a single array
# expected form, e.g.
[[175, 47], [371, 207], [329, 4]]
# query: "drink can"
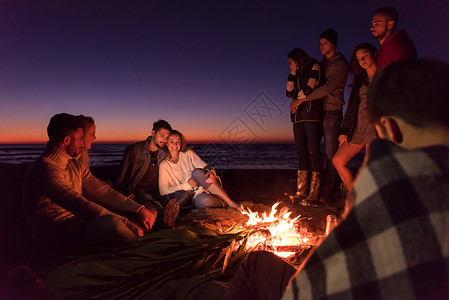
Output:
[[331, 223]]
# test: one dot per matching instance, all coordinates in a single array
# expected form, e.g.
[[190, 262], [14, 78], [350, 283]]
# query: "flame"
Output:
[[276, 232]]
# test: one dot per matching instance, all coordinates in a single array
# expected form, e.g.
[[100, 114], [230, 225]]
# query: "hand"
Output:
[[212, 176], [134, 228], [146, 218], [192, 182], [342, 138], [131, 197], [295, 104]]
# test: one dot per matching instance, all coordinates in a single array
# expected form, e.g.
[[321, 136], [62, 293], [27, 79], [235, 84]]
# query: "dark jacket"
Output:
[[350, 119], [309, 110], [396, 46], [134, 164]]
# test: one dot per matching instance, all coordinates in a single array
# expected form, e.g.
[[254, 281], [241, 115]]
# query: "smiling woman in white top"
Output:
[[184, 170]]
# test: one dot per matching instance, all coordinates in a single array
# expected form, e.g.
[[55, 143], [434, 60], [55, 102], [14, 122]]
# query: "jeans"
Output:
[[307, 138], [205, 200], [182, 196], [331, 125]]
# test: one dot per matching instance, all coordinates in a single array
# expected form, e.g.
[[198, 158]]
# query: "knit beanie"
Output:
[[330, 35]]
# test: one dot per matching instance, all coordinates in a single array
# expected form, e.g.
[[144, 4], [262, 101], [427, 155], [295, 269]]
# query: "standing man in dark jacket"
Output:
[[335, 68], [393, 45]]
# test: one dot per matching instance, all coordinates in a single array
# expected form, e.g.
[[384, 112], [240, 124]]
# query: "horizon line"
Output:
[[135, 141]]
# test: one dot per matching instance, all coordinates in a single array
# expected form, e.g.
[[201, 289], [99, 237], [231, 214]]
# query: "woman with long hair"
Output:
[[356, 132], [89, 135], [184, 170], [306, 117]]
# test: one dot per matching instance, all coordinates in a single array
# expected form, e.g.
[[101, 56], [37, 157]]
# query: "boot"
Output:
[[314, 187], [302, 184]]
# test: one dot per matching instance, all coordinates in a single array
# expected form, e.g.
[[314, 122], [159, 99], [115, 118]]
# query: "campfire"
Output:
[[277, 232]]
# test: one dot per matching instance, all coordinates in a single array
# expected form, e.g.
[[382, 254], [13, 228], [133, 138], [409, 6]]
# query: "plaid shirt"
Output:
[[394, 244]]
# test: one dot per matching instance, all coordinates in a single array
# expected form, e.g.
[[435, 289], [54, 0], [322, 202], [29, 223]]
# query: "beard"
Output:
[[380, 35]]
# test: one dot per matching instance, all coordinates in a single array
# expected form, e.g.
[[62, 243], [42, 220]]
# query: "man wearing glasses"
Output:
[[139, 170]]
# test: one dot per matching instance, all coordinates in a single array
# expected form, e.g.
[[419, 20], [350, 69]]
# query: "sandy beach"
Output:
[[263, 187]]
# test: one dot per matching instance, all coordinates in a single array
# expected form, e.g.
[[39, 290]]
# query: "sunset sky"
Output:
[[216, 70]]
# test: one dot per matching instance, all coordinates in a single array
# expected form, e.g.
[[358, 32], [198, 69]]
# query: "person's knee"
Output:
[[198, 175], [182, 197], [337, 161]]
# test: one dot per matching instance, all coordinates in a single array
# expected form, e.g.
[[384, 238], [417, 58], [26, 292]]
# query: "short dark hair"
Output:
[[390, 12], [298, 55], [417, 91], [161, 124], [62, 125]]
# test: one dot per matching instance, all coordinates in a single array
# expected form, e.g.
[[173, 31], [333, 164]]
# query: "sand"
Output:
[[261, 188]]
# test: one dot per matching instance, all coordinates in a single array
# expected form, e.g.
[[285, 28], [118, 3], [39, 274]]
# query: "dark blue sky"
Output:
[[208, 67]]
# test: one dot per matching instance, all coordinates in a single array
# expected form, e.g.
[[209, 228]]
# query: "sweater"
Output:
[[336, 70], [396, 46], [174, 176], [59, 188]]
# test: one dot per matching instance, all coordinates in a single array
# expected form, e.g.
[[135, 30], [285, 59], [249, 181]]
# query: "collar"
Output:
[[55, 156]]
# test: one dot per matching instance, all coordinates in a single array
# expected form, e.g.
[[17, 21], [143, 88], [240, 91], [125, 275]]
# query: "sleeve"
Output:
[[336, 77], [312, 82], [196, 160], [165, 175], [123, 173], [351, 109], [101, 193], [291, 92], [59, 191]]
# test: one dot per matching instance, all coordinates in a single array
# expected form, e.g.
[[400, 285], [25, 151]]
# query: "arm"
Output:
[[58, 189], [351, 109], [312, 82], [166, 185], [291, 92], [336, 77], [103, 194]]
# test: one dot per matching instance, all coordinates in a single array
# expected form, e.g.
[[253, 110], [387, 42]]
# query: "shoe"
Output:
[[171, 212], [314, 187], [301, 185]]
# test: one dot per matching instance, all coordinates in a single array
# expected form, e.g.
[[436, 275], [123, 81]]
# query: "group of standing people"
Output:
[[392, 240], [316, 91]]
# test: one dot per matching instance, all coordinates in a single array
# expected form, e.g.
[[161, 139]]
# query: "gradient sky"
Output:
[[216, 70]]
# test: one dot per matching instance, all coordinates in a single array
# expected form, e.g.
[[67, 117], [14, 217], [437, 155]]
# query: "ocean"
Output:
[[221, 156]]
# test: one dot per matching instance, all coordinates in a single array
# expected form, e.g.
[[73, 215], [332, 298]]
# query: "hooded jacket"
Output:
[[396, 46]]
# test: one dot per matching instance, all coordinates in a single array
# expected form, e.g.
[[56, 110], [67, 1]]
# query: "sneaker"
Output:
[[171, 213]]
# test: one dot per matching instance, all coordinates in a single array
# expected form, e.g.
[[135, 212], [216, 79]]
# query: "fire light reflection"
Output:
[[277, 232]]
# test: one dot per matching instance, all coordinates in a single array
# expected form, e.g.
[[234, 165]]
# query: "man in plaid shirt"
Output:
[[394, 242]]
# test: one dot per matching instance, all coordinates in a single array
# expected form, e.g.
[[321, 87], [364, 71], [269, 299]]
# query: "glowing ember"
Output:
[[276, 232]]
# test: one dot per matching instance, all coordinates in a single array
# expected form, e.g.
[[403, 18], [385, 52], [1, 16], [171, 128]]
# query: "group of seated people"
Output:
[[66, 205]]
